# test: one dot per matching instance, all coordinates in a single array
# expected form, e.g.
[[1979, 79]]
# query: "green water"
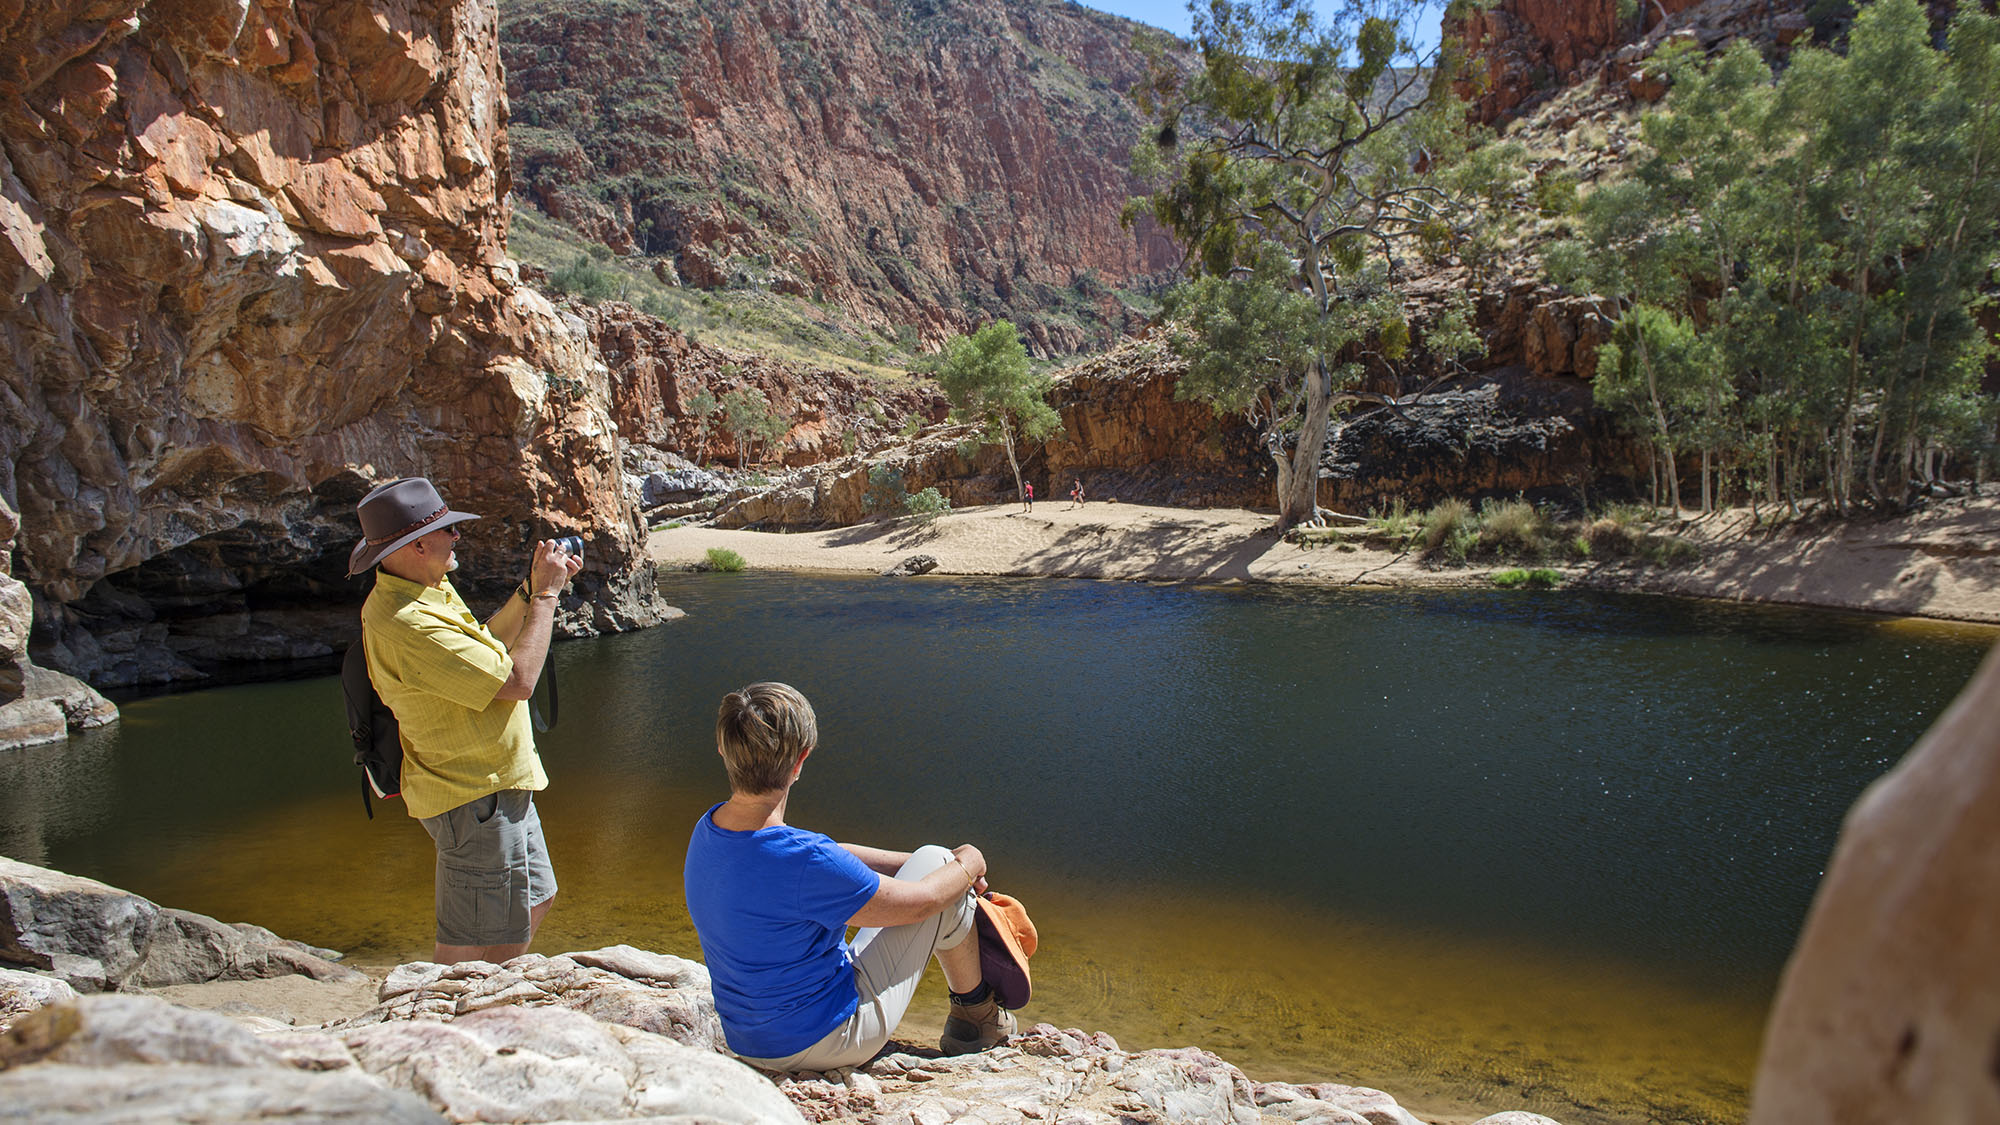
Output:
[[1486, 851]]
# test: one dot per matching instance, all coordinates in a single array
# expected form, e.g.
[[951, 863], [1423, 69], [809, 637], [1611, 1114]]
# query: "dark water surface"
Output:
[[1483, 850]]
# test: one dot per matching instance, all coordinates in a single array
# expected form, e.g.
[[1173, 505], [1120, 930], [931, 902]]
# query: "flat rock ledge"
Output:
[[614, 1034]]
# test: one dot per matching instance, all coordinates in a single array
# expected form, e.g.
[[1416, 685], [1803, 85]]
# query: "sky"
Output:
[[1172, 15]]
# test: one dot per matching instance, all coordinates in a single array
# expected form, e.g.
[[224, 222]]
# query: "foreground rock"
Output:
[[612, 1034], [37, 704], [1890, 1008], [96, 938]]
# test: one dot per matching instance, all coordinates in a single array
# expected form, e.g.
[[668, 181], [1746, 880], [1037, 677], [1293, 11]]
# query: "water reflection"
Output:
[[1481, 849]]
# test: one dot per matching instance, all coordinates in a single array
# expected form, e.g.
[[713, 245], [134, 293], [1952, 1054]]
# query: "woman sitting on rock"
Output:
[[771, 904]]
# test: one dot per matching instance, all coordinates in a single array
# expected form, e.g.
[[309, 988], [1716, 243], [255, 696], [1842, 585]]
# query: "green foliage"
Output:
[[1801, 258], [1447, 528], [987, 379], [1515, 529], [723, 559], [583, 277], [886, 495], [1540, 578], [1288, 167], [749, 416], [928, 504]]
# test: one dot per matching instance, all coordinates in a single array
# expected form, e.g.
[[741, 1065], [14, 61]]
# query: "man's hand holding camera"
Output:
[[552, 564]]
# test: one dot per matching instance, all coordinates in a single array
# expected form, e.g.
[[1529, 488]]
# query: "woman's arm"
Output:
[[898, 902], [878, 860]]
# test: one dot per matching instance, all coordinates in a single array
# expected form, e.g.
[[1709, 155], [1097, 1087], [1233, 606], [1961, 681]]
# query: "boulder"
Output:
[[97, 938], [915, 564], [1889, 1009], [632, 987], [516, 1063], [140, 1059], [24, 992]]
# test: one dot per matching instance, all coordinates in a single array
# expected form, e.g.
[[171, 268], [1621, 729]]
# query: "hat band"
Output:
[[433, 517]]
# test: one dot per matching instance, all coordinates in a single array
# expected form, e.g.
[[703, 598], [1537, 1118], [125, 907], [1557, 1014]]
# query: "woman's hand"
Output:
[[974, 863]]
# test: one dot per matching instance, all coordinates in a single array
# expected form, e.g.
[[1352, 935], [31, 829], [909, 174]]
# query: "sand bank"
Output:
[[1941, 563]]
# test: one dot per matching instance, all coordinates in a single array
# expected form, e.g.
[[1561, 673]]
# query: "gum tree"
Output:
[[1298, 165], [987, 378]]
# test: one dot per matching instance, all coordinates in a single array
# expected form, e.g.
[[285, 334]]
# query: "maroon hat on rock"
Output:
[[394, 514]]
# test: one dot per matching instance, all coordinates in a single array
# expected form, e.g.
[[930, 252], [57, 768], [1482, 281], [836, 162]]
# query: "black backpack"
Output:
[[378, 741]]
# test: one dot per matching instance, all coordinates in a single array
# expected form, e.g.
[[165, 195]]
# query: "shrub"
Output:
[[1540, 578], [928, 504], [1398, 524], [584, 278], [1443, 523], [1513, 528], [723, 559]]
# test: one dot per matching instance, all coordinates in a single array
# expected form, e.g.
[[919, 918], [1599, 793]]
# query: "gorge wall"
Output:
[[925, 164], [253, 260]]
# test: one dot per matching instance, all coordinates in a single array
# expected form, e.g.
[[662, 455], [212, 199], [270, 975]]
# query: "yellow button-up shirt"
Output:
[[438, 667]]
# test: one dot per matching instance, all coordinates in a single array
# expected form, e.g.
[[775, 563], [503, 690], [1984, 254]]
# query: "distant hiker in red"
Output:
[[1027, 497], [1076, 493]]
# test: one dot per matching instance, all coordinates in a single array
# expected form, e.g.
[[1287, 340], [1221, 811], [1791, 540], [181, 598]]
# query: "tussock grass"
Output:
[[724, 560], [1540, 578], [1452, 532]]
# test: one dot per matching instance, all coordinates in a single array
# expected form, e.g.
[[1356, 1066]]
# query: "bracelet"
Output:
[[970, 882]]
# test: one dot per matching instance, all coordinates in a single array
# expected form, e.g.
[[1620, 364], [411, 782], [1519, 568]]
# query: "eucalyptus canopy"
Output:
[[1298, 166]]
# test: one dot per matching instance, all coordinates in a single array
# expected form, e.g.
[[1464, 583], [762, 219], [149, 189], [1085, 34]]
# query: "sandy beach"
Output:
[[1941, 563]]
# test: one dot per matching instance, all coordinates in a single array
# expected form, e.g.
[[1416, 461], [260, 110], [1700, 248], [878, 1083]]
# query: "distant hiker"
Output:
[[771, 904], [1076, 493], [457, 688], [1027, 497]]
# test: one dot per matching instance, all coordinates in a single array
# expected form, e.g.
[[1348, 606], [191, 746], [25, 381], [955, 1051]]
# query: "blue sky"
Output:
[[1172, 15]]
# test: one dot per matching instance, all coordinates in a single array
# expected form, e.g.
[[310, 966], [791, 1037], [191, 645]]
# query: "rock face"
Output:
[[37, 704], [254, 262], [1523, 49], [97, 938], [1889, 1009], [656, 372], [933, 165], [1502, 432]]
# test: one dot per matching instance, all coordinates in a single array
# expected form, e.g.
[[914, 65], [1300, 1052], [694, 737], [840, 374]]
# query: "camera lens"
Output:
[[571, 544]]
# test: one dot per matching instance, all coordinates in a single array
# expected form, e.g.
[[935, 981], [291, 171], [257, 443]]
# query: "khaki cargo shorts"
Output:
[[492, 868]]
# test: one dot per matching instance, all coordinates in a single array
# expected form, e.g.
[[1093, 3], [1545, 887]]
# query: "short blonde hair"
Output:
[[763, 730]]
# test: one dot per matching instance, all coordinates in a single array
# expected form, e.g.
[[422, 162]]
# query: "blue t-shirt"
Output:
[[771, 908]]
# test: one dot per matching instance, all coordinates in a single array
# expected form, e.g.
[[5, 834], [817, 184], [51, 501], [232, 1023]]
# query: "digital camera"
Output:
[[571, 544]]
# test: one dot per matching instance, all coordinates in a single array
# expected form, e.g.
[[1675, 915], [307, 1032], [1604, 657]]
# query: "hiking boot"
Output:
[[975, 1027]]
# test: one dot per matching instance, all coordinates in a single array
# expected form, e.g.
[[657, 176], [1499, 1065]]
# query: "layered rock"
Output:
[[1523, 50], [656, 372], [1501, 432], [255, 261], [94, 938], [38, 704], [931, 165]]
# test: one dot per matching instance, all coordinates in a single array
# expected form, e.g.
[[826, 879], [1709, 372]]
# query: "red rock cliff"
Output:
[[253, 259], [935, 163]]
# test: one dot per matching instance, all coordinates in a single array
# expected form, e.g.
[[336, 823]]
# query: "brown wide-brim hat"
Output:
[[1006, 941], [395, 513]]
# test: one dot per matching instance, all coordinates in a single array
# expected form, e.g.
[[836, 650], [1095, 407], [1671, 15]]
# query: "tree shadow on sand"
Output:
[[1180, 549]]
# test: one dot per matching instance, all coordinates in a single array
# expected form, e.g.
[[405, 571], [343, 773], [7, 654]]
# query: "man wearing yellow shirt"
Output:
[[458, 688]]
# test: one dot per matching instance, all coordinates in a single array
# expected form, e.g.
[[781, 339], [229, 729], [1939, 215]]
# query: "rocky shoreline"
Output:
[[89, 1030]]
